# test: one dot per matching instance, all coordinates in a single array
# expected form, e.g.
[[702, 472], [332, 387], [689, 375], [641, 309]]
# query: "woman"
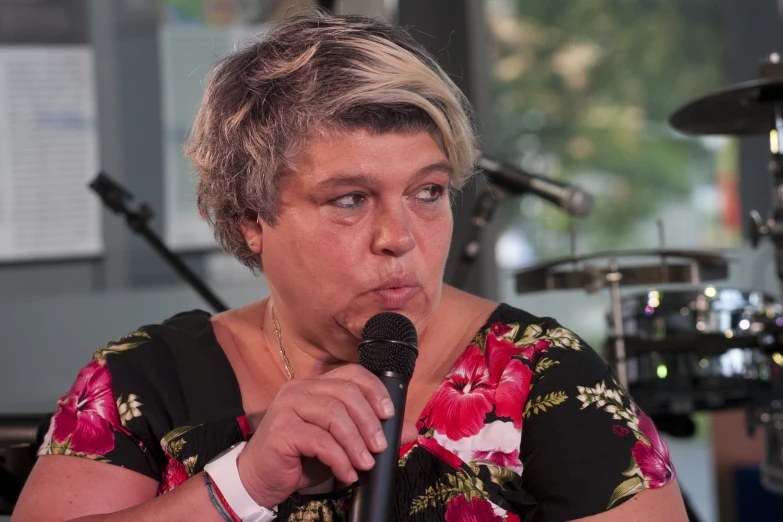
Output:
[[326, 155]]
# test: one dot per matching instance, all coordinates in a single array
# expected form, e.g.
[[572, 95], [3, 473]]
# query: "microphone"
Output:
[[570, 198], [388, 348]]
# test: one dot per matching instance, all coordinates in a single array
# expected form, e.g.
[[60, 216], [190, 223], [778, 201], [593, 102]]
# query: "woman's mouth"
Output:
[[396, 293]]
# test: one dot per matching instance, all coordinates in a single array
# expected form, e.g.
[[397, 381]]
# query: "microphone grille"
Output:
[[390, 325], [389, 344], [578, 201]]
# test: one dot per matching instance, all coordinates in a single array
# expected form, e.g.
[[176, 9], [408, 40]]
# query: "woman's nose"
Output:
[[394, 234]]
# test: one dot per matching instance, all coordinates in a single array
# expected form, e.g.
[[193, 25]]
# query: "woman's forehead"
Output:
[[362, 152]]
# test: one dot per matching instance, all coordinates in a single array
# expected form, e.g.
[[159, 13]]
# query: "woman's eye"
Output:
[[348, 201], [430, 193]]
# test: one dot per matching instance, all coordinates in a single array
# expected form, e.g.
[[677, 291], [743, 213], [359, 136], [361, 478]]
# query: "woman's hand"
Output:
[[332, 422]]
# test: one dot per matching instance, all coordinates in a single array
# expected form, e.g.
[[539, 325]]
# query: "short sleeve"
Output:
[[142, 391], [100, 421], [586, 447]]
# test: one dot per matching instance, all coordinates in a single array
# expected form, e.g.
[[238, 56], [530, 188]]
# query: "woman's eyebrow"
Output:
[[339, 180]]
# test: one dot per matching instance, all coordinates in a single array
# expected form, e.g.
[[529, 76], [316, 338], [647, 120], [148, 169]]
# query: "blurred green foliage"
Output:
[[582, 91]]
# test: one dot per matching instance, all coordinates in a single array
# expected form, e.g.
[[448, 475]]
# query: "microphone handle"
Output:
[[375, 494]]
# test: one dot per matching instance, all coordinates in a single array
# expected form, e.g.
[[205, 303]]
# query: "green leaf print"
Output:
[[629, 487], [454, 485], [542, 403]]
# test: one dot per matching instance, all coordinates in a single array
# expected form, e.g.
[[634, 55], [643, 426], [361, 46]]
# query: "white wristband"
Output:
[[224, 473]]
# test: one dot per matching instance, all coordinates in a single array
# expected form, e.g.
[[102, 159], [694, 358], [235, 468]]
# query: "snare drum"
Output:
[[700, 349]]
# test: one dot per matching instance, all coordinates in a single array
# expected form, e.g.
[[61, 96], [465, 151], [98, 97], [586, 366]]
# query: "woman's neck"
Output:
[[451, 325], [308, 358]]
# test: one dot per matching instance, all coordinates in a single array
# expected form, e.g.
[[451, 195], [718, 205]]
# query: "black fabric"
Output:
[[180, 405]]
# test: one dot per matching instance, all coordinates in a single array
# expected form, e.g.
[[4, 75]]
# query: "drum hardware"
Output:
[[749, 108], [581, 272], [701, 348], [682, 348], [613, 277], [743, 109], [686, 267], [754, 107]]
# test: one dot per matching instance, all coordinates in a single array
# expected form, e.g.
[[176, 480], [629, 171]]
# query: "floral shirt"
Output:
[[529, 424]]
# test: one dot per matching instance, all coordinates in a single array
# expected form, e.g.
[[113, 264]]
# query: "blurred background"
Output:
[[580, 92]]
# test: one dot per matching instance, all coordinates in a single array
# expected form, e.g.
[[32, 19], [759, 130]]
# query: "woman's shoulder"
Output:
[[191, 324], [179, 362], [545, 340], [535, 334], [183, 335], [141, 390]]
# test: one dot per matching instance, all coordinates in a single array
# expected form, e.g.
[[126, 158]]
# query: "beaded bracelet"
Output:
[[219, 501], [222, 499]]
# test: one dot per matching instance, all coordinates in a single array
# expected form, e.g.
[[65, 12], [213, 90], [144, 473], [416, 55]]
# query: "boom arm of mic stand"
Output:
[[483, 210], [114, 197]]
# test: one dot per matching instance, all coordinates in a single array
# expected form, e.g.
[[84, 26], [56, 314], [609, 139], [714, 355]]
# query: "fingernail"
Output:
[[387, 407], [367, 459], [352, 476], [380, 441]]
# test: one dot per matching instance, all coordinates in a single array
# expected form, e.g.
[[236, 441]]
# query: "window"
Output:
[[581, 93]]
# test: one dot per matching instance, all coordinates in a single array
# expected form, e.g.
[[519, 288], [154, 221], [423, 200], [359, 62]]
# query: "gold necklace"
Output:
[[283, 356]]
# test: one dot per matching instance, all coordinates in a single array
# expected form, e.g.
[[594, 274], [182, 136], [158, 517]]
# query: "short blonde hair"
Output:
[[263, 103]]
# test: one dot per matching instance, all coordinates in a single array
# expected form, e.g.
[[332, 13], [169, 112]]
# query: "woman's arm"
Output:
[[66, 488], [335, 418], [587, 448], [650, 505]]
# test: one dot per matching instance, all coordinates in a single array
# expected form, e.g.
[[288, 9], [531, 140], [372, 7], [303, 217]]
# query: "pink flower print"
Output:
[[477, 510], [653, 459], [464, 399], [88, 413]]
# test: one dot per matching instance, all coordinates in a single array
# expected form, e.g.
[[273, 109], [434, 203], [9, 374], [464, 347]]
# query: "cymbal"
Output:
[[572, 272], [741, 109]]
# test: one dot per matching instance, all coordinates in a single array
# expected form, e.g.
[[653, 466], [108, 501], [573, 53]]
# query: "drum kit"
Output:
[[678, 341]]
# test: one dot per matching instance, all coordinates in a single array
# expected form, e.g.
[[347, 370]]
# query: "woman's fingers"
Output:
[[312, 441], [371, 387], [359, 391], [332, 415]]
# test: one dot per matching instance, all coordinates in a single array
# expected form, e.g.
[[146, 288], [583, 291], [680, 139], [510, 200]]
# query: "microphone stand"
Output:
[[773, 226], [114, 197], [483, 210]]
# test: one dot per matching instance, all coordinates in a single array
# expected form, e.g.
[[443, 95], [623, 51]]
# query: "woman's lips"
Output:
[[396, 297], [396, 292]]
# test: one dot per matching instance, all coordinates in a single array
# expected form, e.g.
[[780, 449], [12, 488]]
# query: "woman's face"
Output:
[[364, 226]]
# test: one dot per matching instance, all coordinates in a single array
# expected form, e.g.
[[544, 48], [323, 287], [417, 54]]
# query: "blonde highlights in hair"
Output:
[[263, 103]]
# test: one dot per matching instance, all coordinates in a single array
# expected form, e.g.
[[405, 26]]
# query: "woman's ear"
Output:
[[252, 230]]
